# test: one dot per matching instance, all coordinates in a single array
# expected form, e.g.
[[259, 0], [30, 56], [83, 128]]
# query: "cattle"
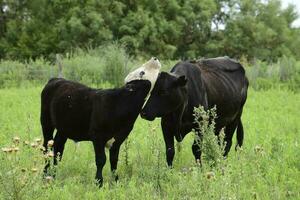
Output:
[[81, 113], [219, 82]]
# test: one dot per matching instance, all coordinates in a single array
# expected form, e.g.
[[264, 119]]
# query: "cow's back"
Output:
[[69, 105], [220, 81], [226, 87]]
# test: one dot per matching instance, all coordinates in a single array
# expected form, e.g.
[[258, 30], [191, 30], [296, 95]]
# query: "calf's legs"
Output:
[[113, 158], [58, 147], [100, 158]]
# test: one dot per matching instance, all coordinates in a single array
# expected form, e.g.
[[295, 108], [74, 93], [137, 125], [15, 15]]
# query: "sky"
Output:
[[285, 3]]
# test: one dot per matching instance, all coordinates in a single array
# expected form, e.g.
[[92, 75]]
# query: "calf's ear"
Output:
[[181, 81]]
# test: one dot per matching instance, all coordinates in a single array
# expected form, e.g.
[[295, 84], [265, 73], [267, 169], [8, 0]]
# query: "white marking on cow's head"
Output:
[[148, 71]]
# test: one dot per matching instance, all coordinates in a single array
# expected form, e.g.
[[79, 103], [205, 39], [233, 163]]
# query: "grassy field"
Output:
[[268, 166]]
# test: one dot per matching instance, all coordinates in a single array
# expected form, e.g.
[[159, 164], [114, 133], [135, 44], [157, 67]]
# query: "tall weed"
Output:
[[211, 145]]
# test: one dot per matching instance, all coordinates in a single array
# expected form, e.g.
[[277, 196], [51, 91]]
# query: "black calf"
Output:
[[81, 113]]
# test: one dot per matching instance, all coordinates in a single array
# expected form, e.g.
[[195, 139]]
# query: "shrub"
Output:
[[284, 73], [286, 68], [115, 64]]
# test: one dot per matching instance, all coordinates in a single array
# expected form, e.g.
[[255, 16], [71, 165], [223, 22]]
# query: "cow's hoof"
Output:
[[170, 166], [116, 178], [99, 182]]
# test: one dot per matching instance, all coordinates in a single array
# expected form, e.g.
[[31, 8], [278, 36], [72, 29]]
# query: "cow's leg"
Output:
[[239, 134], [48, 135], [113, 157], [100, 158], [169, 142], [196, 147], [59, 146], [47, 128], [170, 150]]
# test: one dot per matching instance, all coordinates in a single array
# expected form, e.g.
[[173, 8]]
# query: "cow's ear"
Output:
[[181, 81]]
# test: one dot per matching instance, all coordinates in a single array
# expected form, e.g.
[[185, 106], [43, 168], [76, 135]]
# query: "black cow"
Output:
[[81, 113], [208, 82]]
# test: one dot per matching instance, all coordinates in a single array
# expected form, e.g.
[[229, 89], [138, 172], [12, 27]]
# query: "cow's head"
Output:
[[168, 94], [148, 71]]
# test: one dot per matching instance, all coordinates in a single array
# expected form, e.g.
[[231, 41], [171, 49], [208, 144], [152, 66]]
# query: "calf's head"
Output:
[[168, 94], [138, 88]]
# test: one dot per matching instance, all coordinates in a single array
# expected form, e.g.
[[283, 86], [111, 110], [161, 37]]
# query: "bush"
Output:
[[115, 66], [106, 65], [284, 73], [287, 68]]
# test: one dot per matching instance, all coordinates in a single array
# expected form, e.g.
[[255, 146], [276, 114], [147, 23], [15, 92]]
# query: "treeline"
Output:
[[170, 29]]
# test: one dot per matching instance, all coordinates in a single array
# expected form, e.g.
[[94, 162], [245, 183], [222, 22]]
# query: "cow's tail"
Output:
[[240, 129], [45, 117], [239, 134]]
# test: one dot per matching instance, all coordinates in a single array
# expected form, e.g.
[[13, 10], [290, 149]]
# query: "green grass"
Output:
[[268, 166]]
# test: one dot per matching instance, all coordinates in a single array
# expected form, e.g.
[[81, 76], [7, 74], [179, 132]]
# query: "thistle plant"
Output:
[[18, 175], [211, 145]]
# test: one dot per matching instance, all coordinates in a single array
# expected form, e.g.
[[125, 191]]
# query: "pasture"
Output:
[[267, 167]]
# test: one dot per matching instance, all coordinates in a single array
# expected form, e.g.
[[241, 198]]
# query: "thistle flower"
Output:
[[10, 150], [34, 145], [38, 140], [16, 140], [210, 175], [42, 148], [49, 178], [258, 149], [50, 143], [50, 154], [5, 149], [15, 149]]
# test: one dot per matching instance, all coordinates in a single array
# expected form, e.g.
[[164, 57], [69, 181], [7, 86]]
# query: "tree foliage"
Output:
[[165, 28]]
